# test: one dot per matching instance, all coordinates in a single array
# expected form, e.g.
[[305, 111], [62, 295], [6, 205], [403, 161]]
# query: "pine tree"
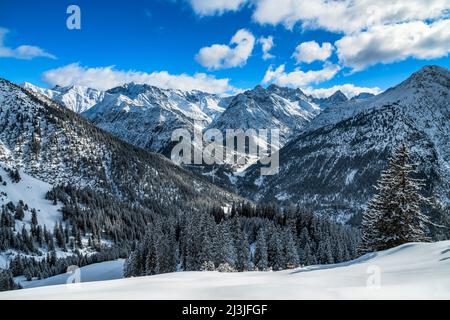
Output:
[[7, 281], [394, 214], [131, 268], [308, 256], [152, 263], [290, 250], [20, 214], [34, 219], [261, 259], [207, 232], [325, 255], [224, 251], [242, 247], [275, 250]]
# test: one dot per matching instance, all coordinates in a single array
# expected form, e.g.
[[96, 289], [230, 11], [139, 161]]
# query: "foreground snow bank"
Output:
[[102, 271], [411, 271]]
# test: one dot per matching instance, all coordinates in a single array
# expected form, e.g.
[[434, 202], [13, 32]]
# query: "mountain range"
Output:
[[332, 166], [145, 116], [57, 145], [332, 149]]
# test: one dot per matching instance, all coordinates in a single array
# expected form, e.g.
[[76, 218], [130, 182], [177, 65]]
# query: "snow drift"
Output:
[[410, 271]]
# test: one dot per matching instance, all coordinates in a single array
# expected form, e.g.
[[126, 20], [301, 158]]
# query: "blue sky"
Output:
[[143, 38]]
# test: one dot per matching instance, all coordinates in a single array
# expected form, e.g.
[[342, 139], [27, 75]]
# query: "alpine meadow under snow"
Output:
[[411, 271]]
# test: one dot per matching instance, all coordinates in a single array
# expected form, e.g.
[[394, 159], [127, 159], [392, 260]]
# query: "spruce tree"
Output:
[[7, 281], [20, 214], [394, 216], [261, 259], [290, 250], [242, 246], [275, 250]]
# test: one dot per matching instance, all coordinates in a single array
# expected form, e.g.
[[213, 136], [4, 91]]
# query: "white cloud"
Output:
[[311, 51], [25, 52], [219, 56], [346, 16], [104, 78], [391, 43], [350, 90], [363, 20], [298, 78], [213, 7], [267, 45]]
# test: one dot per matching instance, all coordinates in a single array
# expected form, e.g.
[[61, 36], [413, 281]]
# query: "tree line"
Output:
[[246, 238]]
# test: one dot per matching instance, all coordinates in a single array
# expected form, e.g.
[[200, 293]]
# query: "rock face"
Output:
[[333, 165]]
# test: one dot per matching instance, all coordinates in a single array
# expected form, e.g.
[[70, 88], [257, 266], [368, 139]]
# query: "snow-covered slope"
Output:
[[429, 81], [146, 116], [76, 98], [333, 165], [411, 271], [31, 192], [102, 271]]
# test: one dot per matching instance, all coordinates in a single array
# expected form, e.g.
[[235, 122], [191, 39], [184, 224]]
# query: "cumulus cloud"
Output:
[[298, 78], [267, 45], [391, 43], [357, 21], [350, 90], [312, 51], [213, 7], [104, 78], [220, 56], [346, 16], [25, 52]]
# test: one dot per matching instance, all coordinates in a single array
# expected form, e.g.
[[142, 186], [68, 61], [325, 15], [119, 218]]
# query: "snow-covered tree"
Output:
[[224, 251], [7, 281], [275, 250], [394, 215], [291, 258], [242, 247], [261, 259]]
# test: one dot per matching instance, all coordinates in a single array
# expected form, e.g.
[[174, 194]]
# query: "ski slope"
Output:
[[411, 271]]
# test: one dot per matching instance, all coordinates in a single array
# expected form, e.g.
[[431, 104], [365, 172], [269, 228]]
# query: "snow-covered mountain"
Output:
[[146, 116], [288, 110], [284, 109], [363, 95], [76, 98], [57, 146], [410, 271], [335, 99], [333, 165], [413, 93]]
